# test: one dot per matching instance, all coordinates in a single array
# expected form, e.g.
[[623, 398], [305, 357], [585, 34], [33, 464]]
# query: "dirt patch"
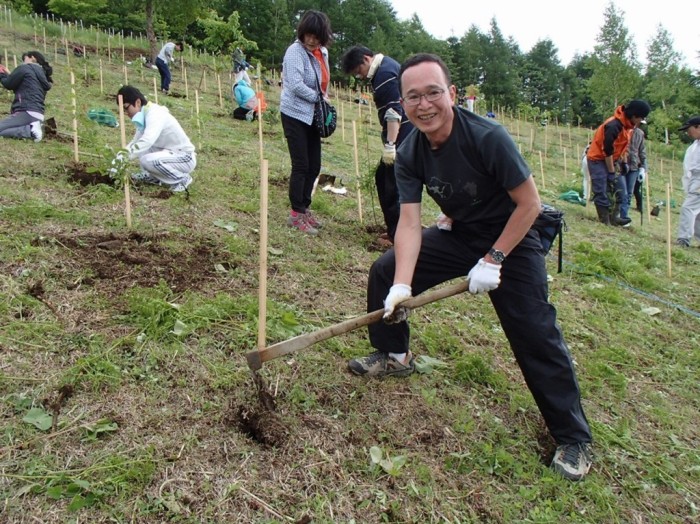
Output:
[[258, 420], [80, 173], [114, 261]]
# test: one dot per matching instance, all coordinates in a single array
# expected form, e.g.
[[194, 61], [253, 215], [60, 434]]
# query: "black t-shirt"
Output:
[[469, 175]]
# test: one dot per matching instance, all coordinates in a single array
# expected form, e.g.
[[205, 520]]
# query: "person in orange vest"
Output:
[[607, 148]]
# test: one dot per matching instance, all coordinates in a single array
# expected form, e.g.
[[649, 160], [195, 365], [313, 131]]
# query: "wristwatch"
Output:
[[390, 143], [497, 256]]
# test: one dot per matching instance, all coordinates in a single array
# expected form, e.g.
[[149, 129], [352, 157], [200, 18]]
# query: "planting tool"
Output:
[[258, 357]]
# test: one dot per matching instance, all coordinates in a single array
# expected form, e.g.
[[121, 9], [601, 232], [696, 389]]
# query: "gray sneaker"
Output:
[[145, 178], [181, 186], [683, 242], [380, 364], [298, 221], [573, 461]]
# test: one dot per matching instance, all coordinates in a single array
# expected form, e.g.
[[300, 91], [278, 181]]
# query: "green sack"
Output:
[[573, 197], [104, 117]]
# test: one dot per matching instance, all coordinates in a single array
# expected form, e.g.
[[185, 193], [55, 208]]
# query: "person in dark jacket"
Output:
[[383, 74], [30, 83]]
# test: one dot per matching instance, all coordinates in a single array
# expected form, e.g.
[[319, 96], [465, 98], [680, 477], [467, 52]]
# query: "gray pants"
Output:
[[17, 125], [689, 225]]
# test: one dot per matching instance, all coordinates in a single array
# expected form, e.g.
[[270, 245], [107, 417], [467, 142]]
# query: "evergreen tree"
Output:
[[542, 78], [501, 65], [616, 78], [664, 86]]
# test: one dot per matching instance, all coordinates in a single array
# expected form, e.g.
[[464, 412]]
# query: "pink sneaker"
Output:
[[312, 220], [298, 221]]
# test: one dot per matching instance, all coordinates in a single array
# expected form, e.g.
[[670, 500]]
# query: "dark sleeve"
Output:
[[386, 94], [612, 130], [642, 154], [408, 180], [501, 157], [14, 79]]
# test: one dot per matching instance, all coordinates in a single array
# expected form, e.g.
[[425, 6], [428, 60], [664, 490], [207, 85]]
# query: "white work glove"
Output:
[[397, 294], [484, 277], [389, 154], [642, 175]]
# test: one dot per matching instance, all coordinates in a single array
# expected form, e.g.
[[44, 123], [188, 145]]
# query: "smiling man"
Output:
[[472, 168]]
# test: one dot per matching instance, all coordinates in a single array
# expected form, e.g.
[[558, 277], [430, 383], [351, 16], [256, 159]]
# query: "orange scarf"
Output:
[[325, 75]]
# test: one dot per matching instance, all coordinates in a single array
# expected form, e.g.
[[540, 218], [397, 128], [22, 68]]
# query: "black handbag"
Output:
[[550, 224], [325, 115], [325, 118]]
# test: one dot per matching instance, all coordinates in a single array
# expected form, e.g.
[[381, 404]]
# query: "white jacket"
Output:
[[162, 132], [691, 165]]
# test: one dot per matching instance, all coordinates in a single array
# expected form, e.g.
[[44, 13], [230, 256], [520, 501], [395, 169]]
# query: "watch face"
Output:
[[497, 255]]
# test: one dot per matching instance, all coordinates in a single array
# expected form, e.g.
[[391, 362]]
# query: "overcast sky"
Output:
[[572, 29]]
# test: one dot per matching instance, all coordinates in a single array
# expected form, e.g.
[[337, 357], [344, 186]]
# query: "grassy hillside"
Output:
[[124, 391]]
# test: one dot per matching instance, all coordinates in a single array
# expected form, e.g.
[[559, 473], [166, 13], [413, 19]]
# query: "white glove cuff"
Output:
[[404, 287]]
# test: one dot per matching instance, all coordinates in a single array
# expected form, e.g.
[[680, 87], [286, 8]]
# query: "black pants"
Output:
[[304, 145], [388, 195], [521, 303]]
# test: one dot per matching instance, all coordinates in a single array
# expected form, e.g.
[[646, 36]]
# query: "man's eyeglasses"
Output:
[[126, 107], [431, 96]]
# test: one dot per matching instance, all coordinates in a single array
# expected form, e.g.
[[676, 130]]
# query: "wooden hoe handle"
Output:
[[257, 357]]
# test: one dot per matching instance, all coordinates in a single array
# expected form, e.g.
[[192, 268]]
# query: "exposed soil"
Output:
[[81, 174], [115, 261], [263, 426]]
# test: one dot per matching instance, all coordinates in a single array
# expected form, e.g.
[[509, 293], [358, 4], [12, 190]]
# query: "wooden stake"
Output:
[[102, 85], [262, 278], [221, 98], [260, 126], [187, 89], [76, 155], [199, 124], [342, 119], [357, 171], [126, 76], [155, 90], [544, 186], [647, 182], [668, 229], [127, 192]]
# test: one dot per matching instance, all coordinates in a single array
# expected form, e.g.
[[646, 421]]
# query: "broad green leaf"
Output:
[[228, 226], [39, 418], [376, 454], [426, 364], [179, 328], [55, 492]]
